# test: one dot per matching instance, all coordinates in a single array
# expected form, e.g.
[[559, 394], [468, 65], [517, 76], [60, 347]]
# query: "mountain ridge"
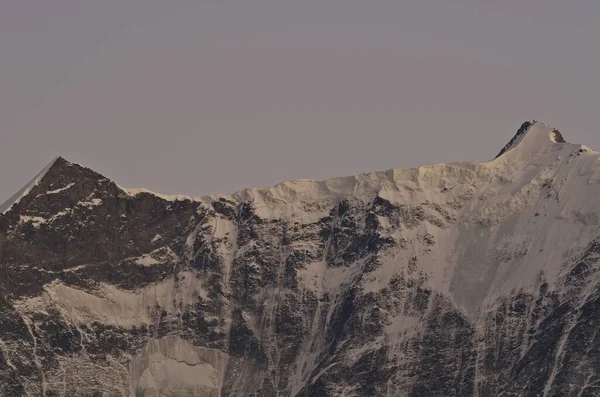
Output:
[[460, 279], [515, 141]]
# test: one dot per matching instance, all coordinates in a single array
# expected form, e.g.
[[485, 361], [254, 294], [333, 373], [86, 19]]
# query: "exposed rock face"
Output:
[[465, 279]]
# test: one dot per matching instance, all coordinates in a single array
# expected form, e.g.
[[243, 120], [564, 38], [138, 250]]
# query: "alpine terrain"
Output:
[[462, 279]]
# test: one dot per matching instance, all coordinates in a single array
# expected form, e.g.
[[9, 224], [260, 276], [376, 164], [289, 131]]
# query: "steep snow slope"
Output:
[[454, 279], [25, 190]]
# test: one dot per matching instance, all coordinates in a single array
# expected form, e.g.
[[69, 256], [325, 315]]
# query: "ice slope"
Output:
[[445, 280], [25, 190]]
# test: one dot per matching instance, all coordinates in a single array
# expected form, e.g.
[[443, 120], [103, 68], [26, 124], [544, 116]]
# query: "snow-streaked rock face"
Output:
[[463, 279]]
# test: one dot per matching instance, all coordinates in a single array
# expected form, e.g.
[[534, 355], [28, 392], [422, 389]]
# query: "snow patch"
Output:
[[36, 221], [110, 305], [173, 366], [60, 214], [92, 203], [70, 185], [147, 260], [158, 256]]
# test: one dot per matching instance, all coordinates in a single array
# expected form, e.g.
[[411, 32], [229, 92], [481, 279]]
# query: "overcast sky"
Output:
[[210, 96]]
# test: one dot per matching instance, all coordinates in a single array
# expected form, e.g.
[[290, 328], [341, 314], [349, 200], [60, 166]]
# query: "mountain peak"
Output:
[[57, 175], [533, 136], [4, 207]]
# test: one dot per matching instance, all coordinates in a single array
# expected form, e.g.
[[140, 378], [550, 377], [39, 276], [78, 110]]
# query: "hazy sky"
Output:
[[210, 96]]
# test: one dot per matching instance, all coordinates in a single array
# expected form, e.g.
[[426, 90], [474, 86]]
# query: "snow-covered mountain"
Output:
[[462, 279]]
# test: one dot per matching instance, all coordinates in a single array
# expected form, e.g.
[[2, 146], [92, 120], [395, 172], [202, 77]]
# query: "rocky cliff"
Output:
[[462, 279]]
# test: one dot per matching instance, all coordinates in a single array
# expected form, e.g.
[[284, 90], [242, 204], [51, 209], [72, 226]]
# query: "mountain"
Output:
[[462, 279]]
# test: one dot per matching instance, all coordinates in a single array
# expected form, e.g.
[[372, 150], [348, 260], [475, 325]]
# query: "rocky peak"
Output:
[[517, 137], [533, 134], [70, 216], [60, 184]]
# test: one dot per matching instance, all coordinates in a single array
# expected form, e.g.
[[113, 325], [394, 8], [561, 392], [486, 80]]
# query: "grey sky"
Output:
[[210, 96]]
